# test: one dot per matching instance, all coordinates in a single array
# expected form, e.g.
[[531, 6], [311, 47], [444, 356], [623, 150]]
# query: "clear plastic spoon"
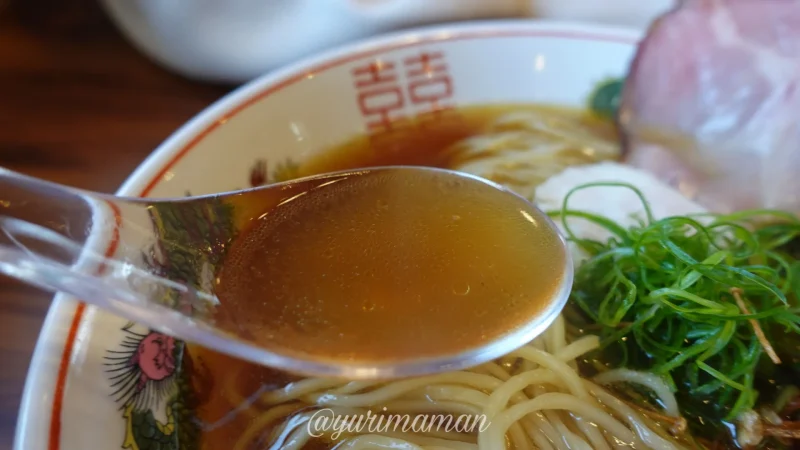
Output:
[[158, 262]]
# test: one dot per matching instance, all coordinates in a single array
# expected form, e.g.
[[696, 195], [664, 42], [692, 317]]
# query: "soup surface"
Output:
[[518, 146], [380, 266]]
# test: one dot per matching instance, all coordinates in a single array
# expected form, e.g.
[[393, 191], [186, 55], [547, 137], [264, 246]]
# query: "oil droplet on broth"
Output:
[[397, 286], [461, 289], [369, 305]]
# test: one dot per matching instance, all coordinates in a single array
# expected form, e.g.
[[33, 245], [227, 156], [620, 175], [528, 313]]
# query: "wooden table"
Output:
[[79, 106]]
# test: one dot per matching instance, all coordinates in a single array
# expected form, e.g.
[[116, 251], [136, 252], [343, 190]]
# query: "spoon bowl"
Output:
[[373, 273]]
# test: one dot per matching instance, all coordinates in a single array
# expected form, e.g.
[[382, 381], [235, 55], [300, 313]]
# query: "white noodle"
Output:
[[531, 399], [651, 381]]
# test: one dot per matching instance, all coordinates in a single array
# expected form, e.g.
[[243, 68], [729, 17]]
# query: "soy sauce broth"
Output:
[[384, 266], [431, 141]]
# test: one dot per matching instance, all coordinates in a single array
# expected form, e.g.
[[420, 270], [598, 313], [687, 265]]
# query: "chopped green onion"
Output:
[[696, 299]]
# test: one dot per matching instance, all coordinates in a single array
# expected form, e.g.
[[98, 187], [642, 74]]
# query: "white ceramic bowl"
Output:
[[237, 40], [69, 402]]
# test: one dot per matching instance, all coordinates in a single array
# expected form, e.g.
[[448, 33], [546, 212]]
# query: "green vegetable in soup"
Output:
[[708, 302], [606, 97]]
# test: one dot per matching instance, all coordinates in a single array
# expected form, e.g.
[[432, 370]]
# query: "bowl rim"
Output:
[[43, 394]]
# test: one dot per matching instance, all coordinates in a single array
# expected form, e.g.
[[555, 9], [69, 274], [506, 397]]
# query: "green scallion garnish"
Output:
[[703, 301]]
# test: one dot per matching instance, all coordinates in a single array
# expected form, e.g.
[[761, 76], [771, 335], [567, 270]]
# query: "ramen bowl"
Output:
[[97, 381]]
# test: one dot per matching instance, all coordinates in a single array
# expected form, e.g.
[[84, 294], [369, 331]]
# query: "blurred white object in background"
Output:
[[237, 40], [629, 13]]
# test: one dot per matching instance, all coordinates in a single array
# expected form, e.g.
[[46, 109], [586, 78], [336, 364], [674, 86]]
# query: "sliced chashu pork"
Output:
[[717, 84]]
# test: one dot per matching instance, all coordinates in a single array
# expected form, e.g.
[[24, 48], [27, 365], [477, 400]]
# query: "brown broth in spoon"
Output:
[[390, 265]]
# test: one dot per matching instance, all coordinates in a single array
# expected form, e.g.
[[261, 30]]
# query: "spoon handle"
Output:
[[26, 257], [149, 261], [90, 246]]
